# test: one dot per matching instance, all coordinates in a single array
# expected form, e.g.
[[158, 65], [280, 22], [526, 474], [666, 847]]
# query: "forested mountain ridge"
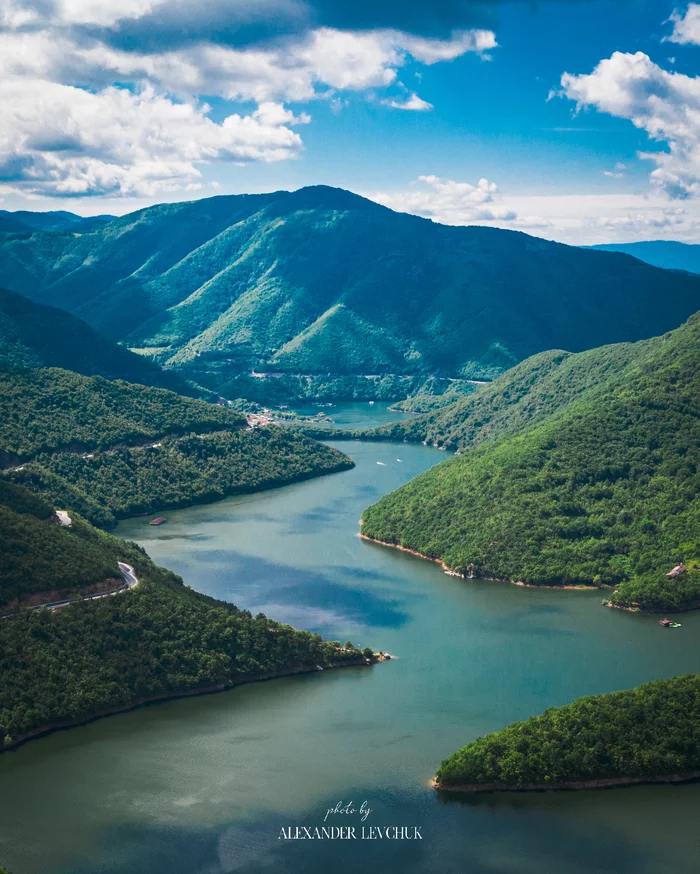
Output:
[[320, 280], [45, 410], [176, 471], [158, 640], [526, 394], [603, 491], [112, 449], [55, 220], [33, 335]]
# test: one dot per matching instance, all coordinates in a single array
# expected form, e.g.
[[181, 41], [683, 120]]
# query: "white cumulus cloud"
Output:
[[578, 219], [664, 105], [686, 28], [82, 113], [451, 202], [412, 102], [66, 141], [431, 51], [105, 13]]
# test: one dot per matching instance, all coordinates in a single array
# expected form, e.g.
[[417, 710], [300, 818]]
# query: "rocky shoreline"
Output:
[[453, 573], [187, 693], [636, 608], [602, 783]]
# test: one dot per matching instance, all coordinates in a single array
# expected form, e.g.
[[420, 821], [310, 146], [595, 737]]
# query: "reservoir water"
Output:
[[204, 785]]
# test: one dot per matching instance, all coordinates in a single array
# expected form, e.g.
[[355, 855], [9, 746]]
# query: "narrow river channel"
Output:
[[204, 785]]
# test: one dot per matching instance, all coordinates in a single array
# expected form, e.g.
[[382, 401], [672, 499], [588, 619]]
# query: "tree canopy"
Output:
[[592, 479], [158, 639], [650, 731]]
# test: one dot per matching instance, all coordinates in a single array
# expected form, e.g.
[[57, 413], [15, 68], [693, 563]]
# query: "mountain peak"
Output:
[[327, 197]]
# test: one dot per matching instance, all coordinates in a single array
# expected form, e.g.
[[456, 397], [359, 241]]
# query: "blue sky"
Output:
[[493, 118], [110, 107]]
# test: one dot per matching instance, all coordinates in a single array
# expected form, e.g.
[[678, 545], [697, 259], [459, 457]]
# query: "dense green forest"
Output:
[[42, 560], [288, 388], [177, 471], [48, 409], [52, 220], [321, 280], [650, 731], [32, 335], [41, 557], [434, 394], [187, 451], [157, 639], [603, 491], [523, 396]]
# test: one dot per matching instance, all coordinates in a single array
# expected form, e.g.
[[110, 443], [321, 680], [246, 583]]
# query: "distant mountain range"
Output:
[[668, 254], [22, 220], [321, 280]]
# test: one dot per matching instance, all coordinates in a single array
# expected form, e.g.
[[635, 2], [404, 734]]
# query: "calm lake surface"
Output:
[[204, 785]]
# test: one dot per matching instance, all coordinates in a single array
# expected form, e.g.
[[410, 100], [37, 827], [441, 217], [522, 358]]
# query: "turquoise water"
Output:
[[355, 416], [203, 786]]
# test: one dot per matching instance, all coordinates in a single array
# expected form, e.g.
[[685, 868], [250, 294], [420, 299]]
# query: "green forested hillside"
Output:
[[11, 225], [177, 471], [293, 388], [41, 557], [647, 732], [70, 438], [320, 280], [48, 409], [32, 335], [523, 396], [604, 491], [56, 220], [158, 639], [435, 394]]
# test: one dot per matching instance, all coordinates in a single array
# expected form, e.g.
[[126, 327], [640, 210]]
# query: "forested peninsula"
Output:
[[80, 449], [111, 449], [577, 470], [157, 640], [643, 735]]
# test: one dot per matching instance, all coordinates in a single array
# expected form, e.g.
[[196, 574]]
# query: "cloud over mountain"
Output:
[[114, 98], [457, 203]]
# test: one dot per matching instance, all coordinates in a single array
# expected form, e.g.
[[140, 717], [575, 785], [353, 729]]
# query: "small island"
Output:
[[643, 735]]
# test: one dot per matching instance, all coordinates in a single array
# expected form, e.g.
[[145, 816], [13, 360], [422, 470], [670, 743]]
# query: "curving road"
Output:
[[130, 580]]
